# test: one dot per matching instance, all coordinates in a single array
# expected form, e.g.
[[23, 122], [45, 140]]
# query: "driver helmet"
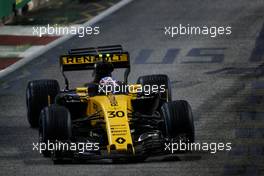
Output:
[[108, 83]]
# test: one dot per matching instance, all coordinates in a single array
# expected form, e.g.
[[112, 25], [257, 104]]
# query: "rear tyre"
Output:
[[158, 80], [178, 120], [37, 94], [55, 124]]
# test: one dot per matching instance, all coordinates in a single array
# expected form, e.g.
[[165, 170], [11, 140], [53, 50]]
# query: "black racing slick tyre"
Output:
[[158, 80], [178, 120], [38, 95], [55, 125]]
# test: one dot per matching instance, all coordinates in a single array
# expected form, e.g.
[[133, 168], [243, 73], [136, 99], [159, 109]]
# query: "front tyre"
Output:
[[55, 125], [178, 120]]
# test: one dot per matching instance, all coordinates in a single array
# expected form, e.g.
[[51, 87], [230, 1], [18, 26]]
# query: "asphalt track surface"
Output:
[[226, 93]]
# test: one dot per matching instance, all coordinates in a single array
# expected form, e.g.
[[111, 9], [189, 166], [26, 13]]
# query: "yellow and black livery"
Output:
[[124, 124]]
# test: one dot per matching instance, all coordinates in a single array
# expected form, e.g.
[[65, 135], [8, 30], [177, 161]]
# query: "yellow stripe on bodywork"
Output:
[[116, 120]]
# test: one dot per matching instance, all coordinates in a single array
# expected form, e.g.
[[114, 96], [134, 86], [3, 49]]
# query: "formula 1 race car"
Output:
[[106, 118]]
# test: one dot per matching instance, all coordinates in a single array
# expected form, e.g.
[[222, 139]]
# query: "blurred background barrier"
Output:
[[11, 8], [6, 8]]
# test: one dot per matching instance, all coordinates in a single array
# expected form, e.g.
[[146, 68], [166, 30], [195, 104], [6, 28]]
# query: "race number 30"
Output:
[[113, 114]]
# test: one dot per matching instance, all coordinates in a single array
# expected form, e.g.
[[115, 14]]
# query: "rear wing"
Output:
[[86, 58]]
